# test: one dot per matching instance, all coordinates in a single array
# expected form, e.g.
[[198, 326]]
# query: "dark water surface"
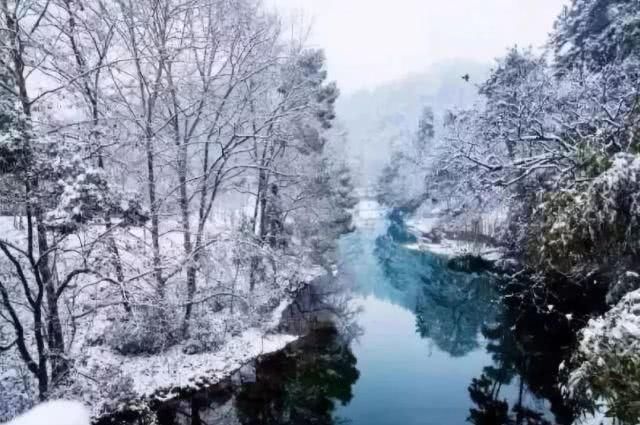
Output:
[[413, 343]]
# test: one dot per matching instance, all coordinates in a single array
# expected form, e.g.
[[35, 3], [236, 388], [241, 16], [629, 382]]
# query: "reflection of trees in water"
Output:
[[450, 307], [403, 267], [209, 407], [451, 310], [526, 347], [325, 302], [491, 410], [301, 385]]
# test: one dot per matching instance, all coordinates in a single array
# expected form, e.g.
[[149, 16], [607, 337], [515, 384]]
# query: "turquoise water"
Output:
[[421, 344]]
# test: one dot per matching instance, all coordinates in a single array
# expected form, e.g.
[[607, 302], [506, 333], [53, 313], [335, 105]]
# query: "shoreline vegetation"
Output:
[[170, 374], [186, 373], [317, 306]]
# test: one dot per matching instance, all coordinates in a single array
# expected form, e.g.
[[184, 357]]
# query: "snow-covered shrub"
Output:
[[108, 385], [16, 387], [594, 229], [606, 365], [205, 334], [627, 282], [148, 331], [557, 238], [83, 194], [612, 206]]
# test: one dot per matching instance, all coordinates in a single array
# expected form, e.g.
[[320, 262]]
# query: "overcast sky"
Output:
[[369, 42]]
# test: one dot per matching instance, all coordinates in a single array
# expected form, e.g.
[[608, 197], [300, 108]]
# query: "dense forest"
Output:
[[545, 164], [169, 178]]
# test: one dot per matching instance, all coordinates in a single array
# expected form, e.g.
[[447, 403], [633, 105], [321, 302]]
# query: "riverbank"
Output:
[[157, 379], [311, 308], [168, 374], [448, 244]]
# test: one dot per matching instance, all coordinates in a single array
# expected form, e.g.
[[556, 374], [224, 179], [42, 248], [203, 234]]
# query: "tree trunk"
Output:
[[258, 224], [42, 375], [59, 365], [155, 221], [190, 257], [39, 368], [91, 94], [34, 209]]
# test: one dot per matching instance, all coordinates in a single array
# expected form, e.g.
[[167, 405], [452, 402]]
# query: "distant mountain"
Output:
[[378, 119]]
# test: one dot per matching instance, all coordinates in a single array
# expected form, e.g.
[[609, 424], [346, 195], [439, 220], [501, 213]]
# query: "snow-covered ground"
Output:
[[55, 413], [420, 226], [101, 370], [164, 376]]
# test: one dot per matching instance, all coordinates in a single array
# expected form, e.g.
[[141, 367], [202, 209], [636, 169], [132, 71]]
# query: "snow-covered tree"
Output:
[[585, 231], [593, 33], [139, 141], [401, 183], [605, 371]]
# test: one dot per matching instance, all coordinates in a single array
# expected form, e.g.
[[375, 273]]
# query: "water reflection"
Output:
[[450, 307], [301, 386], [460, 313], [527, 347]]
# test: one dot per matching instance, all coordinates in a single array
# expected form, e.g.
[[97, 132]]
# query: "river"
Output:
[[413, 342]]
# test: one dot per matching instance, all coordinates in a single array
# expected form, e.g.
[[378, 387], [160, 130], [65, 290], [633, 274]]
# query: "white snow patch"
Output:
[[174, 369], [422, 224], [55, 413], [598, 418], [366, 212]]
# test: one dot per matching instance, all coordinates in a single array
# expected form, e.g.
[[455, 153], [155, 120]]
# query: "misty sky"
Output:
[[369, 42]]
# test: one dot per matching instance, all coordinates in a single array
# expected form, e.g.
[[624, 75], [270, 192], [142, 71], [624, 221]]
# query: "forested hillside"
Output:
[[380, 120]]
